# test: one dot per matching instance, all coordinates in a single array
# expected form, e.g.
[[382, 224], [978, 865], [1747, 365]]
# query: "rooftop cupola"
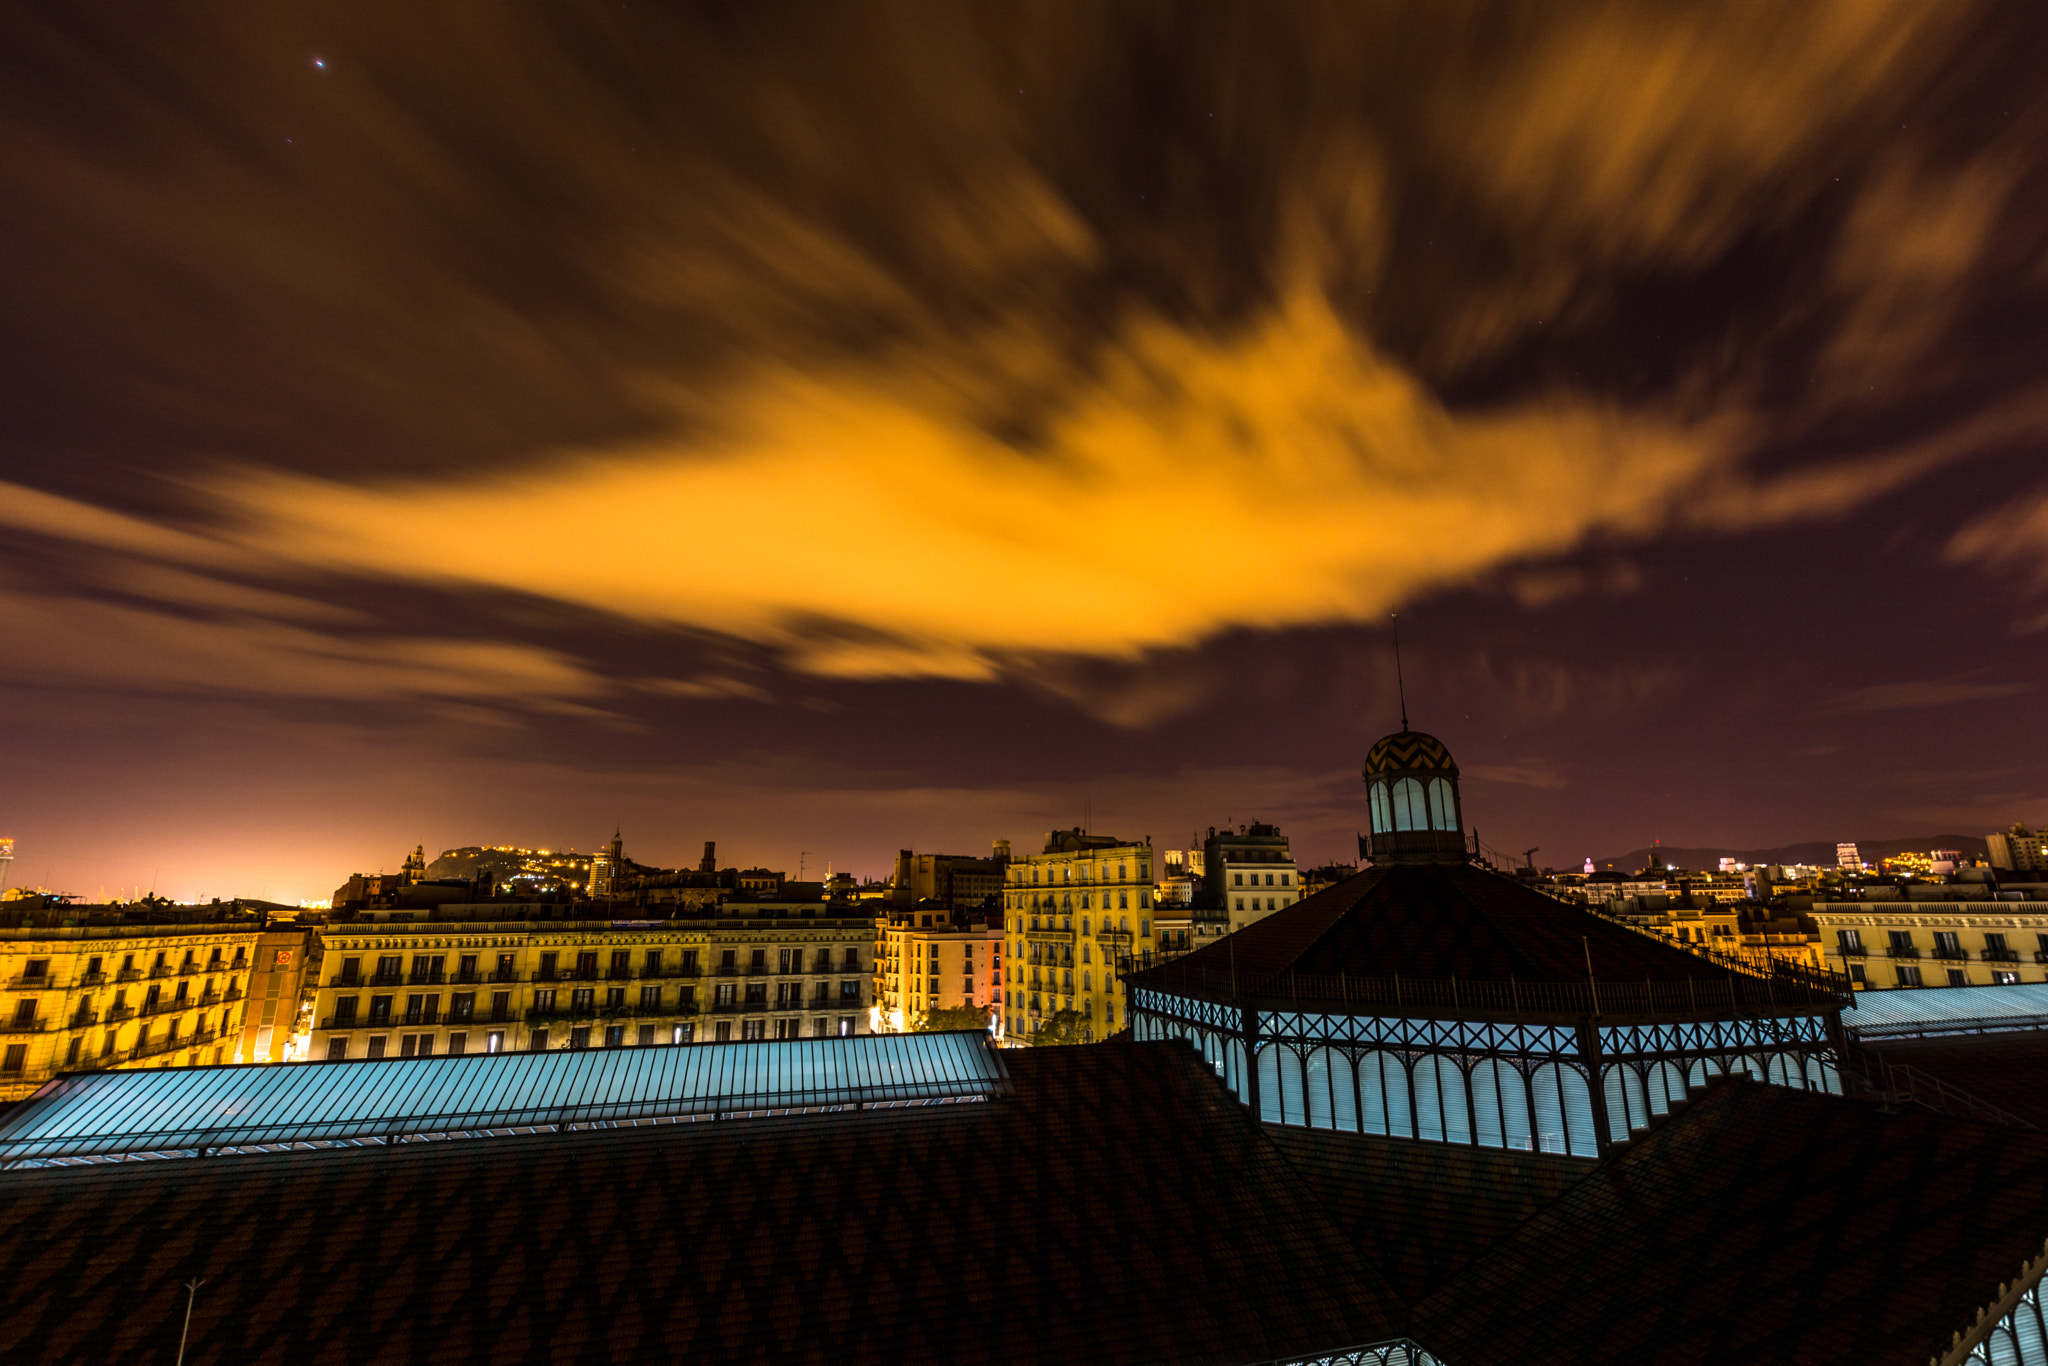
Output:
[[1411, 783]]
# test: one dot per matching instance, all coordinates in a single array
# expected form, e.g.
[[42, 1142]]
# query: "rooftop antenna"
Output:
[[1400, 684]]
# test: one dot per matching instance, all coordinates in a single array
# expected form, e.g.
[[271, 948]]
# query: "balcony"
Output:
[[92, 979], [2002, 955], [128, 975], [618, 974], [507, 977], [163, 970], [115, 1014], [1950, 954], [387, 979], [208, 998], [1896, 951], [338, 1022], [35, 1026], [1852, 951], [40, 982], [345, 981], [427, 979], [465, 979], [757, 969]]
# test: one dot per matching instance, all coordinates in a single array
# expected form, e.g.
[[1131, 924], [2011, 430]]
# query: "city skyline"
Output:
[[838, 434]]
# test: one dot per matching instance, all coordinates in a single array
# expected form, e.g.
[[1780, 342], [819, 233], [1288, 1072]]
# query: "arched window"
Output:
[[1409, 813], [1382, 814], [1084, 924], [1443, 807]]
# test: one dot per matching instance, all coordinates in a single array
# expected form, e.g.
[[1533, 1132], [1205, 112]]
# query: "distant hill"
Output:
[[1820, 852]]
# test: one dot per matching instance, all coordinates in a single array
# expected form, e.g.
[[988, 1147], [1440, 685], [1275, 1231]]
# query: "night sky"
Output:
[[830, 429]]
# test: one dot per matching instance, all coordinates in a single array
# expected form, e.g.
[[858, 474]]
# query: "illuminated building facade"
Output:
[[1889, 944], [278, 1013], [929, 958], [102, 991], [752, 970], [2018, 849], [1432, 998], [1071, 912]]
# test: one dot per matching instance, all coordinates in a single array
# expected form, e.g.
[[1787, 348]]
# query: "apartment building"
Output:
[[932, 958], [1935, 943], [740, 971], [90, 987], [1070, 912]]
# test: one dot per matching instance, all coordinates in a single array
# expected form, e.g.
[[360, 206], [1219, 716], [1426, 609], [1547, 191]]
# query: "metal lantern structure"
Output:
[[1430, 997]]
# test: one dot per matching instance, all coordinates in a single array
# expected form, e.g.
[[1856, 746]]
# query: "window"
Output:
[[849, 991], [1850, 941], [615, 998], [757, 993], [501, 1006], [494, 1042], [621, 962], [1286, 879], [1856, 975], [759, 962], [462, 1005], [547, 967], [846, 1026], [1958, 978], [753, 1029], [1902, 943], [724, 1033], [583, 1000], [506, 972], [615, 1036], [650, 998], [683, 1034], [409, 1045], [40, 967], [377, 1042], [457, 1044], [390, 967], [1909, 977], [337, 1050], [689, 962], [579, 1037], [724, 994], [1237, 879], [653, 963], [345, 1011], [1409, 812], [538, 1041], [414, 1005], [380, 1010], [468, 967], [1947, 944], [1443, 812], [586, 964], [852, 960], [2005, 979], [544, 999]]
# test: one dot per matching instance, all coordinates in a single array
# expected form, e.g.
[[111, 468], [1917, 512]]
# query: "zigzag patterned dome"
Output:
[[1408, 750]]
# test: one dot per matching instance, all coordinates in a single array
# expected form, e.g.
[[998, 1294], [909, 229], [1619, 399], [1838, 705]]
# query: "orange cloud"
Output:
[[1286, 477]]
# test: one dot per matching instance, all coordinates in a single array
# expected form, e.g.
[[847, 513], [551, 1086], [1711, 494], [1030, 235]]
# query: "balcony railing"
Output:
[[42, 981], [464, 979], [2001, 956], [128, 975], [92, 979], [1902, 951], [427, 979], [119, 1013], [14, 1026], [501, 976], [1852, 951]]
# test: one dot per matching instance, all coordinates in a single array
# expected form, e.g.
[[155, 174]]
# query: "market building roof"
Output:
[[1432, 924], [195, 1111]]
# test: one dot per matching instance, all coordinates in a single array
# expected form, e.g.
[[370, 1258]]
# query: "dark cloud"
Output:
[[1029, 399]]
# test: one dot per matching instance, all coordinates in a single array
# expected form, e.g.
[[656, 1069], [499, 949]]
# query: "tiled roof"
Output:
[[1117, 1205], [1760, 1225], [2009, 1071], [1433, 921], [1421, 1211]]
